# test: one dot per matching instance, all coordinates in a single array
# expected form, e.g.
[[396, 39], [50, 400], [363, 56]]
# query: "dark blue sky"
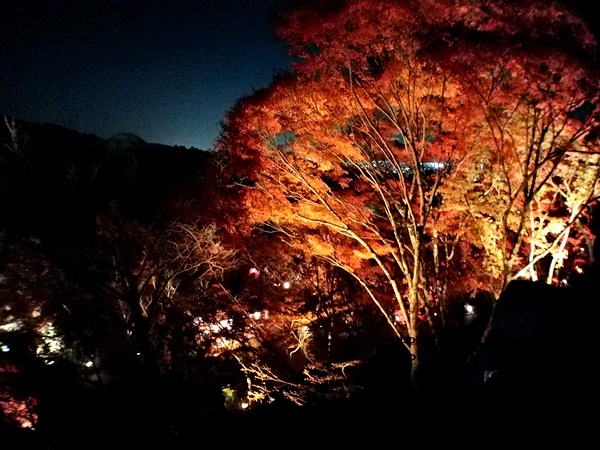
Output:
[[164, 70]]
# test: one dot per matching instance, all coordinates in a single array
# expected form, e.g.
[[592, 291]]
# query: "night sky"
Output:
[[166, 70]]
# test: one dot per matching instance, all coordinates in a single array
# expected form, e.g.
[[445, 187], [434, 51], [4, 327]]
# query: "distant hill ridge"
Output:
[[128, 138], [51, 129], [46, 167]]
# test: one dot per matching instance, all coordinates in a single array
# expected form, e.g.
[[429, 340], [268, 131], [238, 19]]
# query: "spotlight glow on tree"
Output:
[[421, 149]]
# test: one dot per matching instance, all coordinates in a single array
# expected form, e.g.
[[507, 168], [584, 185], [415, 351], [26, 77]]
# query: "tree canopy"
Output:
[[431, 149]]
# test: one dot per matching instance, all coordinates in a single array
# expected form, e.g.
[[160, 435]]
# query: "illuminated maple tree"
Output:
[[421, 178]]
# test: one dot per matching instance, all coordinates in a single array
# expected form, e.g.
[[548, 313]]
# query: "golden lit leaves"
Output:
[[317, 246]]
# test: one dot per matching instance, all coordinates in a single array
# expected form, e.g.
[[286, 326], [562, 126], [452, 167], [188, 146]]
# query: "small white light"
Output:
[[89, 364], [469, 308], [244, 405], [5, 348], [286, 285]]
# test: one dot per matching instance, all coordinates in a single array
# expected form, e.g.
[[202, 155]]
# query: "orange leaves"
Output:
[[317, 246], [416, 129]]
